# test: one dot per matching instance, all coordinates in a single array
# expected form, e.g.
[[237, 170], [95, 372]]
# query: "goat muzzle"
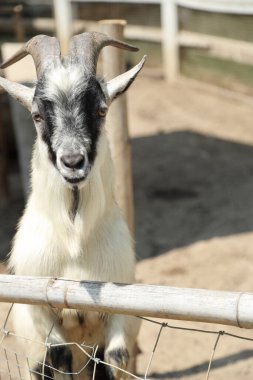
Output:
[[73, 165], [73, 161]]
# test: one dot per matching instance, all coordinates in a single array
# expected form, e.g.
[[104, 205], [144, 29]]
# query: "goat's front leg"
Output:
[[120, 344]]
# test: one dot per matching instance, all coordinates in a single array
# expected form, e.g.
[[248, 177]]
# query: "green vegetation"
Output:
[[239, 27], [199, 65]]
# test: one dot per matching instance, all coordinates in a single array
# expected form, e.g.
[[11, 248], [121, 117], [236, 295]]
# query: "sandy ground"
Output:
[[194, 215], [193, 181]]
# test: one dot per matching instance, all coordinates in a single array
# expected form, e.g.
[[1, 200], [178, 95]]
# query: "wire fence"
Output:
[[16, 366]]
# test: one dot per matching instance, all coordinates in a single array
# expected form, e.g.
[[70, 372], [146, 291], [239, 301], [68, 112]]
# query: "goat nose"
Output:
[[73, 161]]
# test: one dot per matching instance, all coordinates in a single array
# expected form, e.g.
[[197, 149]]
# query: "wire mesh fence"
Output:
[[16, 366]]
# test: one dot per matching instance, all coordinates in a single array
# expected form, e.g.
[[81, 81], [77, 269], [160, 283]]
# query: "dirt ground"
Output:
[[193, 181], [193, 159]]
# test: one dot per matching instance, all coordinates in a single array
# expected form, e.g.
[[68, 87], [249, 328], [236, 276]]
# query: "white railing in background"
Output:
[[172, 38], [238, 51]]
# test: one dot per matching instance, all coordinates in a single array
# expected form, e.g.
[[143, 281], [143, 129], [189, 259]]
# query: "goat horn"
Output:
[[44, 50], [18, 91], [85, 48]]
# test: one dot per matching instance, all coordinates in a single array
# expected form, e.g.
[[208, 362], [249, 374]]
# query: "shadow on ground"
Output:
[[202, 368], [188, 187]]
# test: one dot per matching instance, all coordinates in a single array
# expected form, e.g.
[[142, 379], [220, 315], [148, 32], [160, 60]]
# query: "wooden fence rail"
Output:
[[229, 308]]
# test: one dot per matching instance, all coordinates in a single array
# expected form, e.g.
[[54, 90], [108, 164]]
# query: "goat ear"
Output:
[[120, 84], [21, 93]]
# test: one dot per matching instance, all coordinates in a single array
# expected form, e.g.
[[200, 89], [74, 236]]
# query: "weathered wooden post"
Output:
[[169, 19], [186, 304], [3, 156], [117, 123], [18, 23], [63, 23]]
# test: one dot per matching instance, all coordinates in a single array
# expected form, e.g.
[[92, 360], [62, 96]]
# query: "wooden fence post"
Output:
[[169, 20], [18, 23], [3, 155], [63, 23], [117, 123]]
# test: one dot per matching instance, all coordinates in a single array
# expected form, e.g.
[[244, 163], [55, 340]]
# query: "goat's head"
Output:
[[69, 103]]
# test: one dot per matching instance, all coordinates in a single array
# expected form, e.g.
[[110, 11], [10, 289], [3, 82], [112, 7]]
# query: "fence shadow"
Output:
[[189, 187], [202, 368]]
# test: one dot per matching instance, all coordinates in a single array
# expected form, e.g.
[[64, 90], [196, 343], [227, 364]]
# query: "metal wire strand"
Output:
[[212, 354], [154, 349], [85, 349]]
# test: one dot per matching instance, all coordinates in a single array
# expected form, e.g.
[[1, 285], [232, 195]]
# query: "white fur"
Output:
[[97, 246]]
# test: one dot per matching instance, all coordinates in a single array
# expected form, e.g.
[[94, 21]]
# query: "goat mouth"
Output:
[[74, 181], [75, 177]]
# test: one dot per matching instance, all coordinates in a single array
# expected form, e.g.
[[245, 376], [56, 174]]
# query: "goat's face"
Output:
[[69, 104], [69, 110]]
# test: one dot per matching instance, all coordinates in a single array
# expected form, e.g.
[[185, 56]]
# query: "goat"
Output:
[[72, 226]]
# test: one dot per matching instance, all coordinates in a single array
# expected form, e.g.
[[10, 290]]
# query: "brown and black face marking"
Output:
[[69, 122]]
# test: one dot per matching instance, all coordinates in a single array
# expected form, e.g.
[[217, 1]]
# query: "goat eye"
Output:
[[37, 117], [102, 112]]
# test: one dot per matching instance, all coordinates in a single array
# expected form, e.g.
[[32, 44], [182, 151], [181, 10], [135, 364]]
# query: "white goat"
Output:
[[72, 226]]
